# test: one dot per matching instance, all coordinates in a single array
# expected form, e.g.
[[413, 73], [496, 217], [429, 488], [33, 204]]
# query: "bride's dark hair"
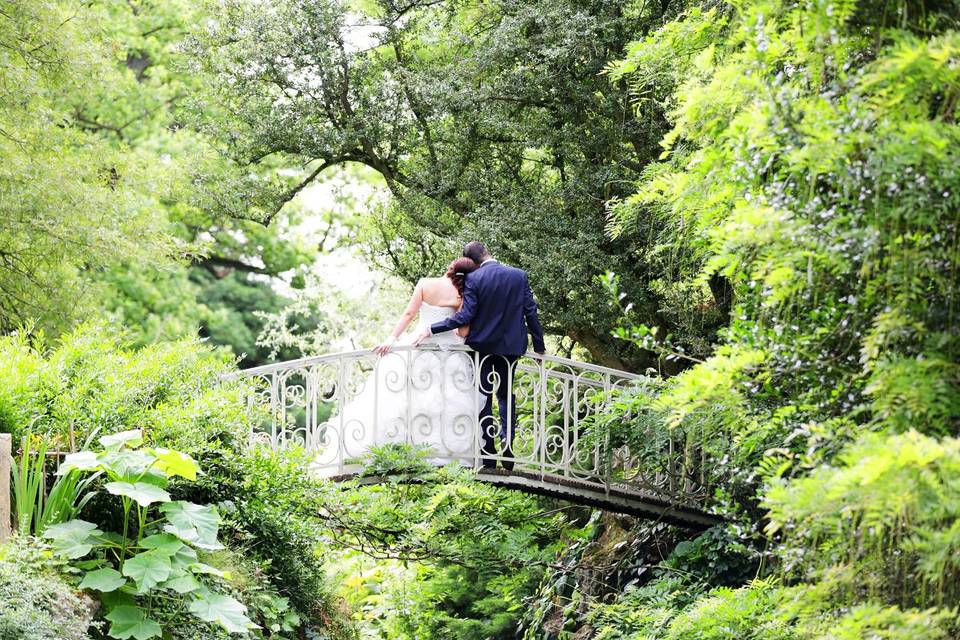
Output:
[[458, 270]]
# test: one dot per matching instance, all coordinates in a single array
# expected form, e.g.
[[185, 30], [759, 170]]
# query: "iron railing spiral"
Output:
[[338, 405]]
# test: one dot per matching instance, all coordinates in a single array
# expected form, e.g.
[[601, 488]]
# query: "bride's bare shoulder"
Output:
[[439, 292], [430, 284]]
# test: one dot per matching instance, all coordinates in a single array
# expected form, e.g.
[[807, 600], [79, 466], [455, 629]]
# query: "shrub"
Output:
[[91, 382], [270, 503], [887, 513], [157, 556], [35, 602]]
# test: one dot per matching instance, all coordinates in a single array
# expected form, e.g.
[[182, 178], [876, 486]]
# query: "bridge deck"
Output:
[[615, 499]]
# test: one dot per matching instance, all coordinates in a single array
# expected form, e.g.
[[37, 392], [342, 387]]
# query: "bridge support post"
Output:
[[6, 461]]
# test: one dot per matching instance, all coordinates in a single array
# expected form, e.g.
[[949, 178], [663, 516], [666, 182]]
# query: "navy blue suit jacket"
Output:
[[499, 307]]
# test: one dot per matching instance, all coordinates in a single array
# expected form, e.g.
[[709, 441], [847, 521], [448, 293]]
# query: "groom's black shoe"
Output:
[[508, 465]]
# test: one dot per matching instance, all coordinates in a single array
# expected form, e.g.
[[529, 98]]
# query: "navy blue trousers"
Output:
[[496, 378]]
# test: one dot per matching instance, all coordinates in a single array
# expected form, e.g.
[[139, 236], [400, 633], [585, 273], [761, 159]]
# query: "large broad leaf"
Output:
[[181, 583], [193, 523], [155, 477], [222, 610], [148, 569], [105, 580], [127, 465], [174, 463], [144, 493], [73, 539], [180, 554], [82, 461], [131, 622], [116, 441], [165, 542]]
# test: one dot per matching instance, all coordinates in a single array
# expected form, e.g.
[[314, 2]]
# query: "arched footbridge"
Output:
[[341, 405]]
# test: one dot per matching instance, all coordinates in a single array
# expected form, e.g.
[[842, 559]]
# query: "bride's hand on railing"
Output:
[[384, 347]]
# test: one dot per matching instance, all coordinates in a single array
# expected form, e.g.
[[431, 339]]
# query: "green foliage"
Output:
[[91, 381], [36, 603], [35, 508], [159, 559], [270, 506], [397, 459], [725, 613], [899, 494], [672, 609], [811, 165], [443, 557], [500, 126], [96, 122], [72, 205]]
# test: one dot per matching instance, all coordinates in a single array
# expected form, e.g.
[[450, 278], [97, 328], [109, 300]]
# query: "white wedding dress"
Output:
[[421, 397]]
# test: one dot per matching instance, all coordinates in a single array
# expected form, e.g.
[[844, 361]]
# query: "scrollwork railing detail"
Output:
[[339, 405]]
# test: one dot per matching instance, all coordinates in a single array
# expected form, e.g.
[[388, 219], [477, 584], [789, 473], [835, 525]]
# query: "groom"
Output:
[[497, 303]]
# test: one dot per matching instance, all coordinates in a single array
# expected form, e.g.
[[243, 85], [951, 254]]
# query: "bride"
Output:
[[421, 397]]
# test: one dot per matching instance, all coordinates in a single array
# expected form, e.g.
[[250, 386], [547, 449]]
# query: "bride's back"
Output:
[[440, 292]]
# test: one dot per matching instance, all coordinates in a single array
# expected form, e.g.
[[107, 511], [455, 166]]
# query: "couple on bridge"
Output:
[[479, 302]]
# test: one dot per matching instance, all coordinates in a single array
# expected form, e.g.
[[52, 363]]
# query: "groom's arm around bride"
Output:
[[499, 307]]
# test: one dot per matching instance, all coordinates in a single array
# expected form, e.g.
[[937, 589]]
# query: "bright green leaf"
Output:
[[222, 610], [73, 539], [130, 622], [193, 523], [103, 580], [82, 461], [116, 441], [144, 493], [148, 569], [199, 567], [183, 583], [174, 463]]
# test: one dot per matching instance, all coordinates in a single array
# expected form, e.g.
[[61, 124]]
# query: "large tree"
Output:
[[98, 206], [71, 204], [234, 263], [488, 120]]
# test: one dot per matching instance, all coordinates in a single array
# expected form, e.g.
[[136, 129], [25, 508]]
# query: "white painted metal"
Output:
[[307, 402]]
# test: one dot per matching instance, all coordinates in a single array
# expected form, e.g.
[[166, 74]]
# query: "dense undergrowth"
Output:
[[813, 164], [804, 198], [90, 384]]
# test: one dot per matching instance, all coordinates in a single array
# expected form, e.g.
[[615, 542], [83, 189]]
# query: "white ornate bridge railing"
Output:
[[341, 404]]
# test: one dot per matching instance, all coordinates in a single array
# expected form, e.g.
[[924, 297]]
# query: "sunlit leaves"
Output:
[[144, 493], [148, 569], [898, 492], [131, 622], [222, 610], [114, 442], [105, 580], [194, 523], [158, 554], [175, 463], [73, 539]]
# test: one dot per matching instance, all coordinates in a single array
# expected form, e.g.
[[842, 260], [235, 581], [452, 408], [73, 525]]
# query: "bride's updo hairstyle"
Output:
[[458, 270]]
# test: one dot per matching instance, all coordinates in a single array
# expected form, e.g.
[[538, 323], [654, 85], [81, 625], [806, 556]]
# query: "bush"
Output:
[[900, 497], [270, 502], [92, 384], [35, 602]]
